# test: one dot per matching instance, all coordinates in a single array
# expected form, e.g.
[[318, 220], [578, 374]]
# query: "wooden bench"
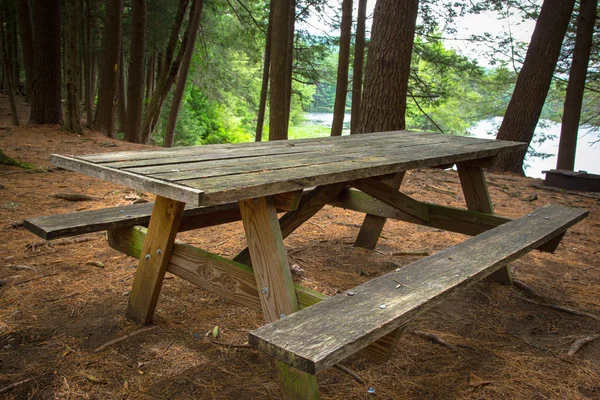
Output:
[[322, 335]]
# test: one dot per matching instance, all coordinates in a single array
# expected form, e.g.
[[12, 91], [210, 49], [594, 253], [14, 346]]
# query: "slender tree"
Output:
[[289, 62], [576, 86], [278, 118], [264, 90], [534, 80], [6, 71], [193, 25], [135, 84], [341, 88], [359, 57], [46, 105], [122, 96], [71, 50], [109, 78], [26, 31]]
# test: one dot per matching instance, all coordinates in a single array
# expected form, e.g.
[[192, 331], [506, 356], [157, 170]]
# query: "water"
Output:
[[587, 157]]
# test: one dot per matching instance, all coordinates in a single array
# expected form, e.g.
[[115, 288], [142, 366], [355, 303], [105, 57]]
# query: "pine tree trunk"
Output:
[[26, 30], [12, 43], [289, 67], [264, 91], [46, 105], [122, 97], [166, 75], [150, 77], [183, 72], [71, 50], [359, 57], [93, 24], [109, 71], [278, 121], [534, 80], [576, 86], [6, 67], [135, 86], [383, 105], [341, 88]]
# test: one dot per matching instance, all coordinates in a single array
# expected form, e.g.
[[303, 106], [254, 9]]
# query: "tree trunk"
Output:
[[575, 88], [183, 72], [93, 23], [264, 91], [383, 106], [150, 76], [278, 121], [109, 78], [534, 80], [46, 105], [341, 88], [26, 30], [6, 68], [289, 67], [71, 50], [135, 86], [166, 75], [12, 43], [359, 57], [122, 97]]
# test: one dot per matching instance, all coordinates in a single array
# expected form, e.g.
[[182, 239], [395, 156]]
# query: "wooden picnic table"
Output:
[[267, 177]]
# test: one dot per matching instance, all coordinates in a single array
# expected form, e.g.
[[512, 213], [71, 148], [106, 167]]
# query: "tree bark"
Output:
[[122, 97], [6, 68], [359, 57], [183, 72], [26, 30], [383, 106], [93, 23], [278, 119], [289, 67], [534, 80], [46, 105], [341, 88], [150, 76], [135, 86], [166, 75], [71, 50], [109, 78], [575, 88], [264, 91]]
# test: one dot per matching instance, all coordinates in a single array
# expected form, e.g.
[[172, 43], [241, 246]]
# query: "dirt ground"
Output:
[[60, 301]]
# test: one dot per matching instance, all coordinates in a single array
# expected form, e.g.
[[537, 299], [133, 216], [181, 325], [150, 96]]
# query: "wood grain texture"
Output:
[[372, 225], [326, 333], [154, 259]]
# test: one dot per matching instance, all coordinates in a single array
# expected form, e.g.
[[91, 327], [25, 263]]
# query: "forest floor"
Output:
[[60, 301]]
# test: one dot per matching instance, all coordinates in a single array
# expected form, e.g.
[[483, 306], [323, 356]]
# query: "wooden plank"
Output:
[[226, 278], [393, 197], [309, 206], [226, 188], [288, 201], [372, 225], [154, 259], [318, 337], [274, 280], [171, 190]]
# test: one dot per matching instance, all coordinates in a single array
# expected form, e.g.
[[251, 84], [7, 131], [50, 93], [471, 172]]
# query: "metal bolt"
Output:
[[255, 200], [371, 390], [350, 293], [147, 257], [264, 290], [121, 210], [282, 315], [159, 252], [380, 211], [383, 306]]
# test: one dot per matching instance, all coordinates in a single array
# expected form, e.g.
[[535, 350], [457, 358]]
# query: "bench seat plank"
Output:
[[326, 333]]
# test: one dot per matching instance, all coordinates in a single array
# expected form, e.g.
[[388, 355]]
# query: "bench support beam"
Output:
[[477, 197], [276, 288], [154, 259]]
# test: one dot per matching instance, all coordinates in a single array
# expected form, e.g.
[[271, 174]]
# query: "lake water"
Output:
[[542, 154]]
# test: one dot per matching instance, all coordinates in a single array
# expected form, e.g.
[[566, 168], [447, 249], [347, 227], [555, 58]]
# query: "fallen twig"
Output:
[[435, 339], [353, 374], [33, 246], [14, 385], [411, 253], [232, 345], [33, 279], [122, 338], [166, 348], [62, 297], [579, 343], [562, 308], [525, 289], [563, 191], [73, 197], [439, 189]]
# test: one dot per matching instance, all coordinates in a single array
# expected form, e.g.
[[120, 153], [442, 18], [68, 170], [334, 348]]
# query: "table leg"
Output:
[[274, 281], [154, 259], [372, 224], [477, 197]]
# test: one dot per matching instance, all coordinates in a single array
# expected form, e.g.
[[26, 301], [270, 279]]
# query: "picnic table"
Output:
[[215, 184]]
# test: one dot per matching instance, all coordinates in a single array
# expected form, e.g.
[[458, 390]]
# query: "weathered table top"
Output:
[[214, 174]]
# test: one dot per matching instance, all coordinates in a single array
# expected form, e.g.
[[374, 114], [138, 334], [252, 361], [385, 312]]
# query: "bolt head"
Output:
[[147, 257], [159, 252], [264, 290]]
